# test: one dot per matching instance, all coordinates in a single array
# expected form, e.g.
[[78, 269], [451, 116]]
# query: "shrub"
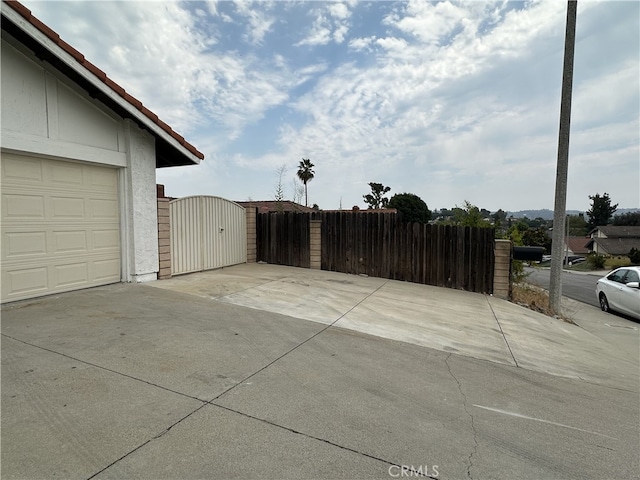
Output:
[[634, 256], [518, 275], [596, 261]]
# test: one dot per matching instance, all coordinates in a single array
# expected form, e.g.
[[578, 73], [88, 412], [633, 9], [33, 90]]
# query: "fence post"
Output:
[[315, 244], [502, 270], [252, 246], [164, 235]]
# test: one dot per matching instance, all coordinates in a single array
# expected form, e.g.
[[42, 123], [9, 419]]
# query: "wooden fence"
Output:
[[379, 245], [283, 238]]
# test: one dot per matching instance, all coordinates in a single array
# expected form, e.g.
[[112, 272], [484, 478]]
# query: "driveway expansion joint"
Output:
[[502, 332], [324, 329], [267, 282], [155, 437], [204, 402], [414, 472], [466, 409]]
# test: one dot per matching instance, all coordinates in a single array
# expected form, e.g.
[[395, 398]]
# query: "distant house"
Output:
[[266, 206], [613, 240], [577, 245]]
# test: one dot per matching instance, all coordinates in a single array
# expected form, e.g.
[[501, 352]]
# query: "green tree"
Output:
[[536, 222], [577, 226], [537, 237], [469, 216], [601, 210], [627, 219], [412, 207], [306, 174], [375, 199], [499, 217]]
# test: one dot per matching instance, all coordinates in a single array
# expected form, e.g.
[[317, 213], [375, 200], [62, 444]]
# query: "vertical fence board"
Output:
[[378, 244]]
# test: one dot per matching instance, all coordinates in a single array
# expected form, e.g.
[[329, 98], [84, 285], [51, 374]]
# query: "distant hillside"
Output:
[[548, 214], [544, 213]]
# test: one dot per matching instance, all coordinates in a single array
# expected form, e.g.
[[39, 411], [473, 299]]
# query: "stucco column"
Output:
[[502, 269], [140, 222]]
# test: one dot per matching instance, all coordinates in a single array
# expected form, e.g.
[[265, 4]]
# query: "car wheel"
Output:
[[604, 303]]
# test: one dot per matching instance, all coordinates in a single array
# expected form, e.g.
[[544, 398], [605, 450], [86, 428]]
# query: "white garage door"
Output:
[[60, 226]]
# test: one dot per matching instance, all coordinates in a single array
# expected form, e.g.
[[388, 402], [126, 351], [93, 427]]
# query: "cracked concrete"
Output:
[[130, 381], [466, 409]]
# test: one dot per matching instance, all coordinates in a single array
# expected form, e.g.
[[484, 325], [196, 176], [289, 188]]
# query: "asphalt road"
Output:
[[576, 286]]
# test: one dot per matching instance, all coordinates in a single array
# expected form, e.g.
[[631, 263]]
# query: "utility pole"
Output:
[[559, 210]]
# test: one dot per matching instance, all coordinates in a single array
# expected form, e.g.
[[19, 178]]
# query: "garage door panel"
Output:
[[17, 170], [72, 274], [24, 283], [69, 241], [60, 226], [101, 181], [67, 207], [66, 175], [19, 207], [104, 209], [106, 239], [21, 244], [107, 271]]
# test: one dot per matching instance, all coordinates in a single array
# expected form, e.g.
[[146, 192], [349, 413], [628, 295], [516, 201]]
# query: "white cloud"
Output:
[[159, 55], [320, 33], [474, 108], [448, 100], [339, 11], [426, 20], [361, 43], [260, 22], [331, 24]]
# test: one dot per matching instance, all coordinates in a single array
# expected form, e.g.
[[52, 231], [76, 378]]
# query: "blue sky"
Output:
[[452, 101]]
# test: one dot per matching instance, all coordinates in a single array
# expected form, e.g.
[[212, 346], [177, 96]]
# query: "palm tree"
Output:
[[305, 174]]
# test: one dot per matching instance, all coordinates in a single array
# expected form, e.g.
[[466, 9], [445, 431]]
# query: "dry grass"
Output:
[[534, 298]]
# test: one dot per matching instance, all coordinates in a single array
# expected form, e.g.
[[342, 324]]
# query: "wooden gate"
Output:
[[206, 233]]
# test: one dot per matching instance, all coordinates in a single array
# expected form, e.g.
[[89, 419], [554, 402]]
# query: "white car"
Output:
[[620, 291]]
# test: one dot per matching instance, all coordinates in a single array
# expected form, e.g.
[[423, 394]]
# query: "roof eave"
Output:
[[169, 150]]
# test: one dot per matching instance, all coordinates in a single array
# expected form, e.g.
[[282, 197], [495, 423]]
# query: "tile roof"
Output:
[[79, 57], [615, 231], [265, 206], [577, 244], [615, 246]]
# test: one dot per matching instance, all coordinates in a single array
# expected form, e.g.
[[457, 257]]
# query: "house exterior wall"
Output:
[[45, 114]]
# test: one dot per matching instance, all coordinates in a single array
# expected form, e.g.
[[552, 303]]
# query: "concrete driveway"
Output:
[[259, 371]]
